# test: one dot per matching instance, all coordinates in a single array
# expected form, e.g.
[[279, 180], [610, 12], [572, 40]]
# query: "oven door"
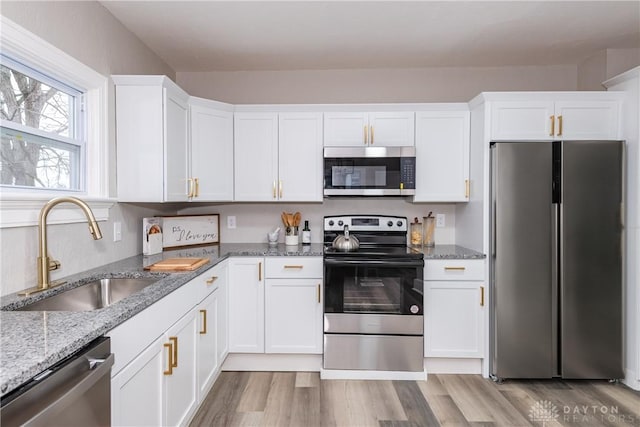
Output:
[[355, 285], [371, 171]]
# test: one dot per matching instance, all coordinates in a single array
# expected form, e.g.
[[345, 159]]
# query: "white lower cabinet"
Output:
[[246, 305], [455, 308], [279, 314], [167, 363], [208, 362], [137, 397], [293, 316], [158, 386], [180, 371], [453, 321]]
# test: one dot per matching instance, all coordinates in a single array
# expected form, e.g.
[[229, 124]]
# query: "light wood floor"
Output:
[[301, 399]]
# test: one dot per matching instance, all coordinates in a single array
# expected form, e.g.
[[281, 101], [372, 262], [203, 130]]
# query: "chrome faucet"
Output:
[[45, 263]]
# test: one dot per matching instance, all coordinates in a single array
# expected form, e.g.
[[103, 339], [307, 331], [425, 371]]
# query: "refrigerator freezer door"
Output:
[[522, 339], [591, 260]]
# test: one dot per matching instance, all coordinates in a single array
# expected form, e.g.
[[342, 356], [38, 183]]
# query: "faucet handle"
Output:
[[54, 265]]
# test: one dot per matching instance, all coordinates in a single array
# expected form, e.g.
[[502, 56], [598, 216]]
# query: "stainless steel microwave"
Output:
[[369, 171]]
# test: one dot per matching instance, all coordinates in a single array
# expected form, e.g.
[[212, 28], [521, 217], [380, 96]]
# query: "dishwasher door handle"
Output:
[[101, 367]]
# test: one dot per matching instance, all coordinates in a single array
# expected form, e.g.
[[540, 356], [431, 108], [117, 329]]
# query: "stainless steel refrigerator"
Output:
[[556, 259]]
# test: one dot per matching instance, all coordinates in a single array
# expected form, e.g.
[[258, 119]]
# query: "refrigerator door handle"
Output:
[[555, 296]]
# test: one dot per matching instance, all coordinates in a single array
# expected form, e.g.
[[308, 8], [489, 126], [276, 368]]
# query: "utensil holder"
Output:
[[291, 236], [429, 231]]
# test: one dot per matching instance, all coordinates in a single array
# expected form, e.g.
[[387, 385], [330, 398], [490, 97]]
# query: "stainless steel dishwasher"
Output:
[[74, 392]]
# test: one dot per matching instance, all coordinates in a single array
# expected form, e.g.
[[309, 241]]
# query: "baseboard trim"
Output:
[[435, 365], [272, 362]]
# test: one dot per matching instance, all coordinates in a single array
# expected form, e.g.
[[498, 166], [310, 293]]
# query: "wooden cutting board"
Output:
[[177, 264]]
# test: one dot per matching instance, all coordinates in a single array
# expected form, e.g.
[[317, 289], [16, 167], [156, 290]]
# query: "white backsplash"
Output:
[[254, 220]]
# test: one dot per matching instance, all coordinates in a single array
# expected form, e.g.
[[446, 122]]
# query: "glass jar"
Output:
[[415, 234], [429, 230]]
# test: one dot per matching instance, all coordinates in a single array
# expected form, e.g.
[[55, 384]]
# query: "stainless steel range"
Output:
[[373, 305]]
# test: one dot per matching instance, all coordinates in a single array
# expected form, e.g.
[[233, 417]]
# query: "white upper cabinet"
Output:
[[522, 120], [152, 139], [256, 156], [211, 151], [442, 156], [278, 157], [300, 157], [587, 120], [356, 129], [579, 118]]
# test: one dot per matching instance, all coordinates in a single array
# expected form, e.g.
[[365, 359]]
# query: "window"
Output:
[[60, 145], [42, 143]]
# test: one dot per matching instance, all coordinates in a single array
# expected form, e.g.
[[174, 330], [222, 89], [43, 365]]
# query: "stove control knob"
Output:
[[399, 223], [390, 224], [340, 223], [331, 222]]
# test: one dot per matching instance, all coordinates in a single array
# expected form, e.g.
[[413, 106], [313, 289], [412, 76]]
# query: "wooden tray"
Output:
[[177, 264]]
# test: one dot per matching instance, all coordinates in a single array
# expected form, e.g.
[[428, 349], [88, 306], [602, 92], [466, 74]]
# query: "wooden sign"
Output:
[[180, 231]]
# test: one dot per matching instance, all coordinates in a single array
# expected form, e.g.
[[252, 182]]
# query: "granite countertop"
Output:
[[450, 252], [32, 341]]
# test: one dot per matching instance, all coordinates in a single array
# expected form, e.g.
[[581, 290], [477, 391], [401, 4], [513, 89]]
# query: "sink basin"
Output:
[[91, 296]]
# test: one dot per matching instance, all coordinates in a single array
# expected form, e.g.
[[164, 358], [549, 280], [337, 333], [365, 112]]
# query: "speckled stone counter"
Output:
[[450, 252], [31, 341]]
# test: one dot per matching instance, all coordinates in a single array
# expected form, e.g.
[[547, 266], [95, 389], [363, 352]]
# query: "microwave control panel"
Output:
[[408, 172]]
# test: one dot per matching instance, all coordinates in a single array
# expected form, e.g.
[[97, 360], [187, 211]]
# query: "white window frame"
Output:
[[20, 207]]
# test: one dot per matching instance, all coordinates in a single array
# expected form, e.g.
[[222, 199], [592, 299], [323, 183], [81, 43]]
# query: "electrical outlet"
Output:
[[440, 220], [117, 231], [231, 221]]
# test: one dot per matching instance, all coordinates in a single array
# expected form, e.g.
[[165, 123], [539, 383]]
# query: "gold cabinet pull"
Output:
[[169, 371], [366, 134], [318, 293], [553, 125], [294, 266], [211, 279], [204, 322], [174, 340], [371, 133], [481, 296], [190, 193], [197, 186], [454, 268], [466, 188], [280, 188], [559, 125], [274, 189], [259, 272]]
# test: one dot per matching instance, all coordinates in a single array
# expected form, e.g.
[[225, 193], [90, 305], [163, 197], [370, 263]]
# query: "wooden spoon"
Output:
[[284, 219], [296, 219]]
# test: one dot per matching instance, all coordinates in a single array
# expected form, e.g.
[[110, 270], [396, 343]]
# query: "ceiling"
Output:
[[292, 35]]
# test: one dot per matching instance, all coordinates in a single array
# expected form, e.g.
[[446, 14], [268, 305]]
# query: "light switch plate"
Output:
[[231, 221], [117, 231], [440, 220]]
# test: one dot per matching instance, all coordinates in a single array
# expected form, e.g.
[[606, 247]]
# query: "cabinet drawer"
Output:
[[454, 269], [295, 267]]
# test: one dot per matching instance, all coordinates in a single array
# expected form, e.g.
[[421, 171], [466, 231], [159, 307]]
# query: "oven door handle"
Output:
[[379, 262]]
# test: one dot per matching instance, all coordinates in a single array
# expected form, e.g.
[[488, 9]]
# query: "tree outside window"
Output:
[[40, 147]]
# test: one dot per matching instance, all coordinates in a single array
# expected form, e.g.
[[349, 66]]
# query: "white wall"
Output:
[[254, 220], [605, 64], [443, 84], [88, 32]]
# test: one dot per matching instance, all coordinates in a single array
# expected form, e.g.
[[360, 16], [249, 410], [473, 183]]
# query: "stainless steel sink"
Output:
[[91, 296]]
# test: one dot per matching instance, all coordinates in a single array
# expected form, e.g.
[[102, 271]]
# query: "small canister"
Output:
[[415, 233], [429, 229]]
